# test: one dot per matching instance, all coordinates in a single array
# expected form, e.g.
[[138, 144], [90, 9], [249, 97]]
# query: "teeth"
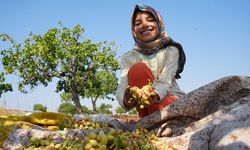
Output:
[[146, 31]]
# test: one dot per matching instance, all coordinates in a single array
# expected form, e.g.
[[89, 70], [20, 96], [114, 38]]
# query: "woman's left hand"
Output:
[[154, 98]]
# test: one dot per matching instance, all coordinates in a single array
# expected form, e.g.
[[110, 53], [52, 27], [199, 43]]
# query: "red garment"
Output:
[[139, 75]]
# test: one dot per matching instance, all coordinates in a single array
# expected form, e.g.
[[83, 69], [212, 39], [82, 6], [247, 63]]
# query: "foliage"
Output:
[[133, 112], [39, 107], [120, 110], [104, 109], [86, 110], [61, 53], [67, 108], [66, 97], [4, 87]]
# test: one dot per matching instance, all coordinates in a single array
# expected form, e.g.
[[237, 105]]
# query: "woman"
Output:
[[155, 58], [171, 112]]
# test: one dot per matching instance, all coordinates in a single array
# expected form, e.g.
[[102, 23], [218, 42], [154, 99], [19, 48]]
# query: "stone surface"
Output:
[[225, 132]]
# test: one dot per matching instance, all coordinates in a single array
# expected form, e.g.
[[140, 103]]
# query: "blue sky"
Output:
[[215, 35]]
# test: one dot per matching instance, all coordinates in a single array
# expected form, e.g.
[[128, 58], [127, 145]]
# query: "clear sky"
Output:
[[215, 35]]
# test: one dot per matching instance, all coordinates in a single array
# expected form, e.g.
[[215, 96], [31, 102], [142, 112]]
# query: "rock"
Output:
[[229, 131], [231, 135], [234, 119]]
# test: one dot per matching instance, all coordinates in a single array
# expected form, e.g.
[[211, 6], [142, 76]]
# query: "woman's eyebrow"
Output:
[[150, 16], [137, 21]]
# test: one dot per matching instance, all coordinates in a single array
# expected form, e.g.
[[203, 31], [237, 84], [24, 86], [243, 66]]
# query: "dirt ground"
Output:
[[126, 118], [4, 111]]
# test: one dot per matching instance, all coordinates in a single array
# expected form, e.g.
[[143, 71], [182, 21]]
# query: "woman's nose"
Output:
[[144, 24]]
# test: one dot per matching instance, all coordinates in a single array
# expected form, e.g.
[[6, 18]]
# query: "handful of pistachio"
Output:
[[142, 95]]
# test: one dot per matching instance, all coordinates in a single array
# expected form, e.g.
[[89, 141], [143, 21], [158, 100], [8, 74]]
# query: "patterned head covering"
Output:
[[150, 47], [163, 40]]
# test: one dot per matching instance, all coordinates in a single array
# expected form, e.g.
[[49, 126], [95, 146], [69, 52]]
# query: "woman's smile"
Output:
[[146, 31]]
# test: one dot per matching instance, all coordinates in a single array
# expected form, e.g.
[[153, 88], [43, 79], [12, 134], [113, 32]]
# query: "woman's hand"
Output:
[[140, 98], [154, 98], [127, 96]]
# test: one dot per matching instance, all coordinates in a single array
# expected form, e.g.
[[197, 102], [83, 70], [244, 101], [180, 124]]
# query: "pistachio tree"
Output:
[[60, 53]]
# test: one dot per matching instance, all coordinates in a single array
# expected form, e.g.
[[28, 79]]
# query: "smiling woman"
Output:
[[149, 71]]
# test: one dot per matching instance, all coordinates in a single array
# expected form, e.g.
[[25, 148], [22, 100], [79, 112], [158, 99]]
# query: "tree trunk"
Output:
[[75, 98], [94, 104]]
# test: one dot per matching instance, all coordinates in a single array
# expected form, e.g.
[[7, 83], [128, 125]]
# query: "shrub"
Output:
[[67, 108], [39, 107]]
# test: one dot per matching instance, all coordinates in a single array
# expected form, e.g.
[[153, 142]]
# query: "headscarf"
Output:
[[162, 40]]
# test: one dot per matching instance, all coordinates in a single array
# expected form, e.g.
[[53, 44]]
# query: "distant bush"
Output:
[[39, 107], [86, 110], [104, 109], [133, 112], [67, 108], [120, 110]]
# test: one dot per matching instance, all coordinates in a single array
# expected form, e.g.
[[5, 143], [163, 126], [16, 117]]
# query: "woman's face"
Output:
[[145, 27]]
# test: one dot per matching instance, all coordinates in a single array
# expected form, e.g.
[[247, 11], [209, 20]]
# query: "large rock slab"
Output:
[[225, 128], [229, 131]]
